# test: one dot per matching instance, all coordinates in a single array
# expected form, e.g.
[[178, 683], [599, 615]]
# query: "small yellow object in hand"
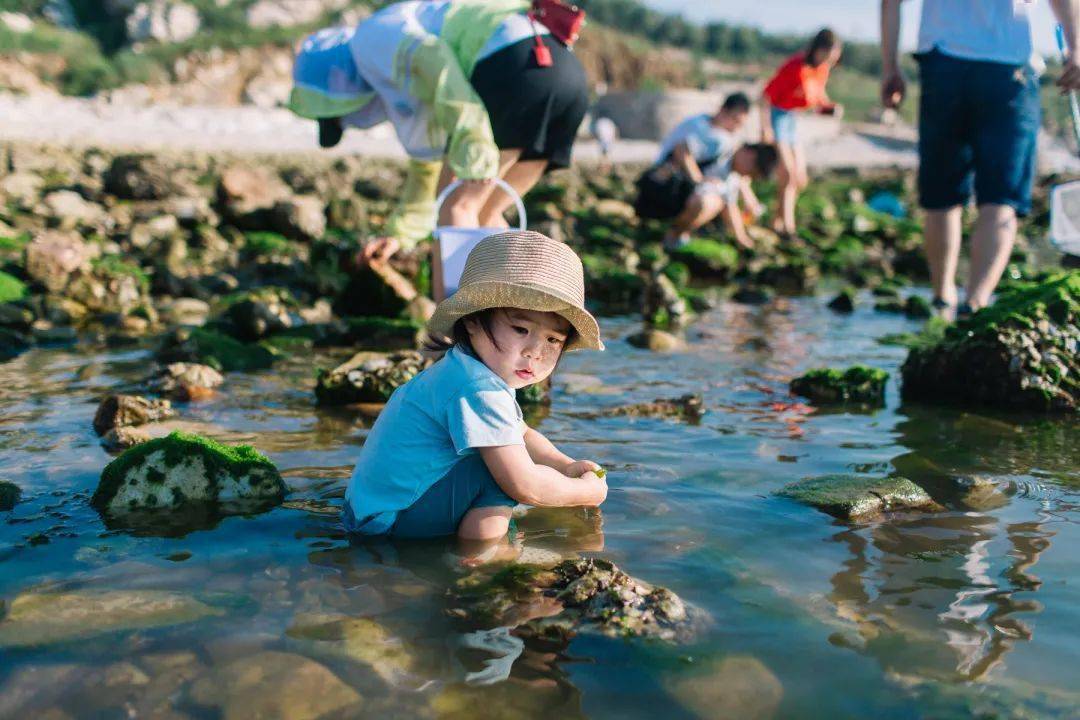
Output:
[[601, 473]]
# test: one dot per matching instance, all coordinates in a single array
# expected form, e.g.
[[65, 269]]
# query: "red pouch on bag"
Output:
[[563, 20]]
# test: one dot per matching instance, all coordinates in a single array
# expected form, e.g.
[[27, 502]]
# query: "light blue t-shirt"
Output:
[[430, 423]]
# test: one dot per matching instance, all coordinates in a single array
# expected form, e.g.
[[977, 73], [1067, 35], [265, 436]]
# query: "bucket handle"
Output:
[[500, 183]]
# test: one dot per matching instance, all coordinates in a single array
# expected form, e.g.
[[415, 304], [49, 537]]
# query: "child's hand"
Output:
[[599, 488], [579, 467]]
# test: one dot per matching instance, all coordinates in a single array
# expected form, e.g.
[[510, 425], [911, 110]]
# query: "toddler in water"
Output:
[[450, 452]]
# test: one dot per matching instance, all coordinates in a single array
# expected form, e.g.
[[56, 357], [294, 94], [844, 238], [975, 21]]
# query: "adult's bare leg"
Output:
[[991, 243], [462, 208], [941, 229], [699, 209], [521, 176], [787, 176]]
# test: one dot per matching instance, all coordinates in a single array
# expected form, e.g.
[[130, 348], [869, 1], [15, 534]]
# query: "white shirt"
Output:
[[989, 30], [705, 141]]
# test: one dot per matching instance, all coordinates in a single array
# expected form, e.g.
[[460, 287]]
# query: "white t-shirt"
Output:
[[705, 141], [989, 30]]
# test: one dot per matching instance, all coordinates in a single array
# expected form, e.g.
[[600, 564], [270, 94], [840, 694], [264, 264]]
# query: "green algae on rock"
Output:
[[858, 384], [1021, 353], [689, 407], [11, 288], [219, 351], [857, 496], [43, 618], [708, 258], [9, 495], [183, 468], [368, 377]]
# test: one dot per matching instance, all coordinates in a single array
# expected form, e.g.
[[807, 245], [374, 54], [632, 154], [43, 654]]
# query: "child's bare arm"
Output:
[[524, 480]]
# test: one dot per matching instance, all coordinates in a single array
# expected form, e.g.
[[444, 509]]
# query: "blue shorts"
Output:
[[439, 511], [783, 125], [978, 126]]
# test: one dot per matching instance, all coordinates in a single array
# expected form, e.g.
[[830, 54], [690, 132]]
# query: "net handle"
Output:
[[499, 183]]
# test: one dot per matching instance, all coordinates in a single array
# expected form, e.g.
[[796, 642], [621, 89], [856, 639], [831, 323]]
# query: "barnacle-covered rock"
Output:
[[594, 594], [689, 407], [368, 377], [858, 384], [1022, 352], [184, 469]]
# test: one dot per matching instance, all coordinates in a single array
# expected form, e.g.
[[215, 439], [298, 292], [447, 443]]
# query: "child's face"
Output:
[[527, 344], [733, 120]]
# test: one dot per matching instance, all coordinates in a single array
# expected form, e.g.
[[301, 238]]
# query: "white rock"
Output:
[[287, 13], [163, 21], [16, 22]]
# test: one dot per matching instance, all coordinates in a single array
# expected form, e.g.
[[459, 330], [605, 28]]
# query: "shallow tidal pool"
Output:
[[973, 610]]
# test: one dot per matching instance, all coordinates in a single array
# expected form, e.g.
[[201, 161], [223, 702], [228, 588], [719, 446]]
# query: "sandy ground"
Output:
[[81, 122]]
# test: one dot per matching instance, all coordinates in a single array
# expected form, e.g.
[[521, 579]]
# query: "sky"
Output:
[[857, 19]]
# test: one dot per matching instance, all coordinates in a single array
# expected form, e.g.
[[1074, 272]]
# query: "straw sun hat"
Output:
[[526, 270]]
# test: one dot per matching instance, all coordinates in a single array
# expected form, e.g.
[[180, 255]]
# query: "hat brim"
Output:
[[484, 295]]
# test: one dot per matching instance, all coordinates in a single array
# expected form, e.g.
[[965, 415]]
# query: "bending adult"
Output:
[[799, 84], [396, 66], [536, 94], [410, 63], [978, 123]]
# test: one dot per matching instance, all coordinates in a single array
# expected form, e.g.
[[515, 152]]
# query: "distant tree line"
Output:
[[735, 43]]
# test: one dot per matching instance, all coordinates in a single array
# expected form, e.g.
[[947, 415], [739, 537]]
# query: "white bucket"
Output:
[[1065, 217], [455, 243]]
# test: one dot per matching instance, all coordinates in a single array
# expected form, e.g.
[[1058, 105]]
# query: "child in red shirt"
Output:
[[799, 84]]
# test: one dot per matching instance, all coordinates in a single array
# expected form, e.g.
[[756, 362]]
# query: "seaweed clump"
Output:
[[858, 384], [1020, 353]]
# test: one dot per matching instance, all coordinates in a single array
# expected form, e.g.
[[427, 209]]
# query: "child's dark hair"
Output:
[[766, 158], [460, 334], [736, 102], [825, 41]]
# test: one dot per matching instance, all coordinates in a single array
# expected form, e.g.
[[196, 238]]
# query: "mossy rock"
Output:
[[9, 495], [844, 302], [183, 469], [535, 394], [857, 496], [918, 308], [368, 377], [708, 258], [610, 286], [12, 342], [254, 314], [269, 247], [1020, 353], [379, 333], [216, 349], [859, 384], [117, 267], [11, 288]]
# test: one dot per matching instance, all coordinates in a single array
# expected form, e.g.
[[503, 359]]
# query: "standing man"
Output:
[[978, 122]]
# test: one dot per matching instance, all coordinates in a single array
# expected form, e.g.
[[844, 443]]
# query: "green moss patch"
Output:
[[708, 258], [11, 288], [858, 383]]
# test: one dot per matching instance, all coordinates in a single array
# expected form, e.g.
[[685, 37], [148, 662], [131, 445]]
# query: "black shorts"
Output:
[[537, 109], [662, 192]]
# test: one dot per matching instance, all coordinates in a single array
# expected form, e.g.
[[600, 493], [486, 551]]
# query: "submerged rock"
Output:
[[274, 684], [857, 496], [186, 469], [595, 596], [689, 407], [859, 384], [42, 618], [735, 687], [360, 639], [125, 410], [656, 340], [9, 495], [752, 295], [1021, 353], [368, 377]]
